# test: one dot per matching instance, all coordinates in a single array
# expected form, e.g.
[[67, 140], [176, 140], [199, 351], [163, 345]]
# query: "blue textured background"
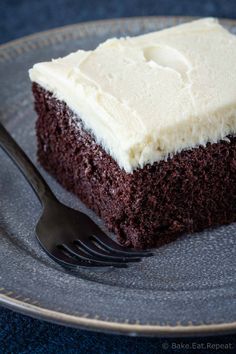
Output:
[[21, 17], [21, 334]]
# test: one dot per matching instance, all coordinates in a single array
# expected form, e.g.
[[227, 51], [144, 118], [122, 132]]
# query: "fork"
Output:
[[68, 236]]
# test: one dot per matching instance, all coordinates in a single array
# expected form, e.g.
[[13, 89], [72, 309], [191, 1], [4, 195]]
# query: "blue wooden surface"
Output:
[[21, 334], [21, 17]]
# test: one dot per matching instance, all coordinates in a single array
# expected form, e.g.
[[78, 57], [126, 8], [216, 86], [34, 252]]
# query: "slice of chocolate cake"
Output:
[[143, 130]]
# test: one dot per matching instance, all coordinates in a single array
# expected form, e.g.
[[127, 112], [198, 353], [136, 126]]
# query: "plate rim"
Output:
[[94, 22], [5, 45], [28, 306], [94, 324]]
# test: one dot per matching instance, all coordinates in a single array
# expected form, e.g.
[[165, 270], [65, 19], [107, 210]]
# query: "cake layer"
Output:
[[148, 97], [193, 190]]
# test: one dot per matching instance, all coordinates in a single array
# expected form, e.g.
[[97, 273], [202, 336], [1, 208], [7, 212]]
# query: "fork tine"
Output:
[[63, 259], [96, 251], [111, 245], [71, 262], [76, 252]]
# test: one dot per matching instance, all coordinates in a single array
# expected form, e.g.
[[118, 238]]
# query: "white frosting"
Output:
[[147, 97]]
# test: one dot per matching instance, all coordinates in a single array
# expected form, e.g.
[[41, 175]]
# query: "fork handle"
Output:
[[25, 165]]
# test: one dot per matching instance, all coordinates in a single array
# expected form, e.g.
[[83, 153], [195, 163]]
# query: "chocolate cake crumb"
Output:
[[189, 192]]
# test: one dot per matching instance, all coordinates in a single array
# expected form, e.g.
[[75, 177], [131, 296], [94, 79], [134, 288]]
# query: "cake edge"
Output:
[[121, 215]]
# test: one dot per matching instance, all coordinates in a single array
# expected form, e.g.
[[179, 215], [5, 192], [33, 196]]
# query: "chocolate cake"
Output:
[[151, 169]]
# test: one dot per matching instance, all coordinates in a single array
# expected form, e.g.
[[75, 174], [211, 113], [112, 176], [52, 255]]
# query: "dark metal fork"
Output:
[[68, 236]]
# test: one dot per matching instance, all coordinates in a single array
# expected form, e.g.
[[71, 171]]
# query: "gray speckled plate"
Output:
[[188, 287]]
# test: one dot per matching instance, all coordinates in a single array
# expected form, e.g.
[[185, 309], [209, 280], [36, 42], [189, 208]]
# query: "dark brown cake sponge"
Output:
[[195, 189]]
